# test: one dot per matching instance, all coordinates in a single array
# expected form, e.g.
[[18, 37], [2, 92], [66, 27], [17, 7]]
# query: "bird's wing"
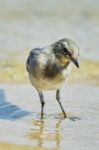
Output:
[[32, 57]]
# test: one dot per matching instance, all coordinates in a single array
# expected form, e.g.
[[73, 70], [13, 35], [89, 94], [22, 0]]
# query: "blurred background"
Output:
[[25, 24]]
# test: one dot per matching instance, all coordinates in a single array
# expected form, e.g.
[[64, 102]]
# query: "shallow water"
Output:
[[22, 128]]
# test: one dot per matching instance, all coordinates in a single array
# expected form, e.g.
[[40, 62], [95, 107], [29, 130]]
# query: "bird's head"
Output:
[[66, 50]]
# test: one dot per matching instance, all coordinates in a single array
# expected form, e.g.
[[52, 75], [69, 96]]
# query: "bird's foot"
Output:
[[42, 115], [65, 116]]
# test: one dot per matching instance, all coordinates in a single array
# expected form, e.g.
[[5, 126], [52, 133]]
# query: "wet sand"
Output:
[[22, 128]]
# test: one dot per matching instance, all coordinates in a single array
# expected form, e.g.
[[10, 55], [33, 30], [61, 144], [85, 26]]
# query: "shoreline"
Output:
[[14, 71]]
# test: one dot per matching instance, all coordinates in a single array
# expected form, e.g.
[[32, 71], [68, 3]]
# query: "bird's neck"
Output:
[[63, 63]]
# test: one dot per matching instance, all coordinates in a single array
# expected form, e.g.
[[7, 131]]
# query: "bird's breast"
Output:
[[55, 71], [50, 77]]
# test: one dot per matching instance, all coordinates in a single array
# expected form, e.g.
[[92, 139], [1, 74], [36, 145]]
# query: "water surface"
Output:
[[22, 128]]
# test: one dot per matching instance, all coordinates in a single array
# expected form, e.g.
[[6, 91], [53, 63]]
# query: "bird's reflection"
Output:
[[46, 134]]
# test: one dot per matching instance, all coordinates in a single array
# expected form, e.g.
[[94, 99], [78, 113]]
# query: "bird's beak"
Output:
[[75, 61]]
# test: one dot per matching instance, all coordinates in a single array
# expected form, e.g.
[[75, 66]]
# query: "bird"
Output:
[[50, 66]]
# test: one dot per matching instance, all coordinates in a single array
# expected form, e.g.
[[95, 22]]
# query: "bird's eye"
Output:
[[65, 50]]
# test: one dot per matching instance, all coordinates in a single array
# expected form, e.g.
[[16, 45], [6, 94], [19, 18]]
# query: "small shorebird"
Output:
[[50, 66]]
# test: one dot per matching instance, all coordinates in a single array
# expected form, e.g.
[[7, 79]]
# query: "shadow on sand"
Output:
[[8, 110]]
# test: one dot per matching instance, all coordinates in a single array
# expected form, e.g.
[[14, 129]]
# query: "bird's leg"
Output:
[[58, 99], [42, 103]]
